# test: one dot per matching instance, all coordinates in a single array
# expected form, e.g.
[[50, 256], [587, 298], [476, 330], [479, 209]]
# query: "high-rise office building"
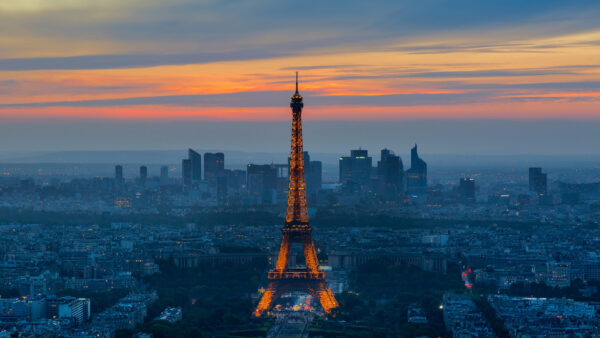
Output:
[[538, 181], [314, 177], [191, 170], [186, 173], [143, 174], [356, 168], [416, 176], [466, 190], [119, 174], [236, 180], [196, 165], [390, 173], [214, 165], [164, 175], [222, 189], [262, 181]]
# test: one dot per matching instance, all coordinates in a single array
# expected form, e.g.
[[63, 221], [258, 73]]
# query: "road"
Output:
[[291, 324]]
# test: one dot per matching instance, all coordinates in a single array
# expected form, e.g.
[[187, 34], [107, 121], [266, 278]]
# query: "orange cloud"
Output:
[[387, 70], [504, 110]]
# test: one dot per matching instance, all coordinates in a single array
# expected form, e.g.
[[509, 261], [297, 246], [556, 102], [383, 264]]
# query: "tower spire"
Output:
[[297, 213]]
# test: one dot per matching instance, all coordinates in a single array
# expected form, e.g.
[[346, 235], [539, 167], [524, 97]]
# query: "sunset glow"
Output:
[[476, 72]]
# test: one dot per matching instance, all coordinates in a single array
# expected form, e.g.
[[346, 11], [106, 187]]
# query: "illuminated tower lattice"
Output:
[[297, 230]]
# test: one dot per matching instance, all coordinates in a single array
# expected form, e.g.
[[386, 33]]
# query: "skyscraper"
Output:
[[222, 189], [143, 174], [164, 175], [261, 181], [314, 177], [236, 181], [416, 176], [390, 172], [538, 181], [119, 174], [466, 190], [356, 168], [196, 165], [214, 165], [186, 174]]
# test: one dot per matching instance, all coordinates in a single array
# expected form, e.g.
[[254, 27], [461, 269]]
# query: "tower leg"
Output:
[[266, 300], [284, 254], [326, 298], [310, 255]]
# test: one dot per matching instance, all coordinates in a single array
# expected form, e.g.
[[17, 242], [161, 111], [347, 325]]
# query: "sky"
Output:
[[140, 74]]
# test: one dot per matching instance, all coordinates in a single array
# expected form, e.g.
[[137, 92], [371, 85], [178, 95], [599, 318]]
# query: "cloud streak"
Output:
[[116, 61], [215, 57], [264, 99]]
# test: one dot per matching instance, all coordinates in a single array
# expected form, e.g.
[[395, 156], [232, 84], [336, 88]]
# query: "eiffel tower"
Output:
[[296, 230]]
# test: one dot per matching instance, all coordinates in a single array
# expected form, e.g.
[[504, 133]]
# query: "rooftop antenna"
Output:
[[296, 82]]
